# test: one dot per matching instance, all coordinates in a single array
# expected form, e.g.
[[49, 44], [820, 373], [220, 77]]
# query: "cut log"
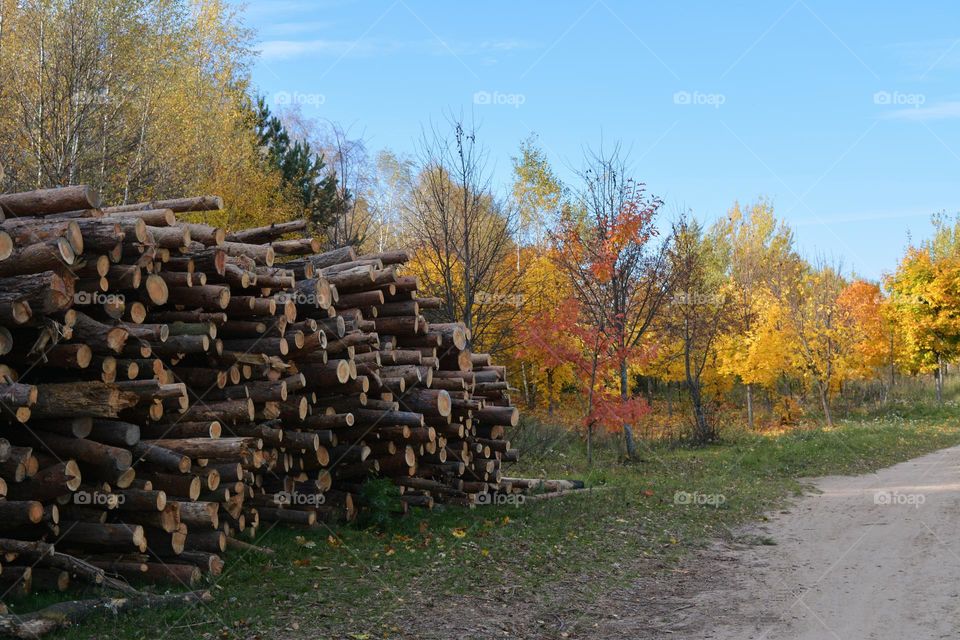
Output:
[[65, 614], [93, 399], [43, 202], [179, 205]]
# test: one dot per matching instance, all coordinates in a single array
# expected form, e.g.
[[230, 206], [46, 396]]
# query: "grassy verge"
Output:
[[345, 582]]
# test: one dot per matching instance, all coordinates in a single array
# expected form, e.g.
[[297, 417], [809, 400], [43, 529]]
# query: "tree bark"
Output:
[[624, 395], [64, 614], [825, 402], [44, 202]]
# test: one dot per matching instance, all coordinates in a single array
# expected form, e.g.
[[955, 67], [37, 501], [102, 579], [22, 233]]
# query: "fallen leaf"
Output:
[[303, 542]]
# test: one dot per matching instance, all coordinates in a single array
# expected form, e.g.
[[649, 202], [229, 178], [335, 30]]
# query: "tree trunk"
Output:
[[750, 405], [703, 433], [939, 380], [590, 444], [593, 381], [825, 403], [526, 385], [624, 394], [550, 400], [892, 361]]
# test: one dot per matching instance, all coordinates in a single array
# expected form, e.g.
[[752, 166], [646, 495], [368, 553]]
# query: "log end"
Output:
[[157, 289], [71, 472], [125, 479], [444, 405], [6, 245]]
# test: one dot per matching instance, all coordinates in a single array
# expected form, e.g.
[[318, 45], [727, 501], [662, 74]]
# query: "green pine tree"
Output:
[[303, 170]]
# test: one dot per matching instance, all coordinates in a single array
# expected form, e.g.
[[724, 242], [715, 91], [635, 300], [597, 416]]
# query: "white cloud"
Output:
[[281, 29], [286, 49], [270, 9], [928, 56], [938, 111], [828, 219]]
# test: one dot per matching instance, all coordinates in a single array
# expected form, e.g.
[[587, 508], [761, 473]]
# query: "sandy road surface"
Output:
[[871, 557]]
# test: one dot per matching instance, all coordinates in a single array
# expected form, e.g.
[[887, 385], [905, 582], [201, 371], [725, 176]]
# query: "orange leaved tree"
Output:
[[606, 245]]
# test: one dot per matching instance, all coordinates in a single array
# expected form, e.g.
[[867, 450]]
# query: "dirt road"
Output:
[[871, 557]]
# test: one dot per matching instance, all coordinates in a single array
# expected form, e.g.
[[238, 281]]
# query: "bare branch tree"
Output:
[[348, 158], [464, 234]]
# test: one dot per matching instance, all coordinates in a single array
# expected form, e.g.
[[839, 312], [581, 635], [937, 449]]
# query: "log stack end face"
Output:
[[184, 385]]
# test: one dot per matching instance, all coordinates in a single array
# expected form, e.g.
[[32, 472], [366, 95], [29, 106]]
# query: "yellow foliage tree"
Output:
[[545, 363], [142, 99], [761, 260], [826, 332], [925, 296]]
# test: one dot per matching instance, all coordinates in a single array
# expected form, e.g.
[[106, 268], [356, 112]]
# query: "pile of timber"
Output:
[[169, 389]]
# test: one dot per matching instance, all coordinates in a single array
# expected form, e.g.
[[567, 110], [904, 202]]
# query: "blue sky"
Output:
[[845, 115]]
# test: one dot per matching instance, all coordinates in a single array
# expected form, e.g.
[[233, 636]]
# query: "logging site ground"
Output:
[[711, 542]]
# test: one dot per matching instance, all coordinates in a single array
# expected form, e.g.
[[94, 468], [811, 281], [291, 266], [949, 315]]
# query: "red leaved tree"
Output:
[[557, 339], [606, 243]]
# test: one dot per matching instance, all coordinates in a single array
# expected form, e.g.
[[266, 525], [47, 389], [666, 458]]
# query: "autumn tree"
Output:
[[141, 99], [464, 235], [825, 330], [351, 166], [874, 349], [550, 354], [548, 340], [758, 247], [606, 246], [537, 194], [697, 314], [387, 190], [925, 294]]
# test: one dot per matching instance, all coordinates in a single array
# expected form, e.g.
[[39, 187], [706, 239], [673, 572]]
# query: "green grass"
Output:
[[342, 581]]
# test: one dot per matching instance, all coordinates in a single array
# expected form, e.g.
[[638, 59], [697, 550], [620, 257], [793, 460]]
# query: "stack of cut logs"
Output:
[[168, 389]]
